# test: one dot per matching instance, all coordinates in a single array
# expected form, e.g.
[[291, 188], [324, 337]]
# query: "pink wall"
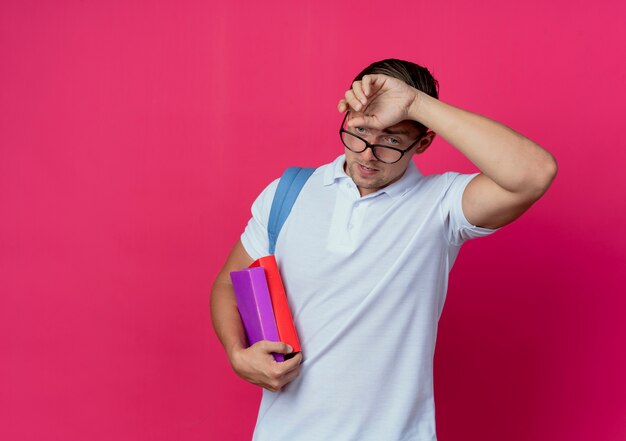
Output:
[[135, 135]]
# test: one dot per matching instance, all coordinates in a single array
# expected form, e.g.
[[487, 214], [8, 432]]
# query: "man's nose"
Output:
[[368, 155]]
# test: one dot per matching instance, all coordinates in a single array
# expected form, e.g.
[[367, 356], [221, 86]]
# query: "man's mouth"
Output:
[[368, 168]]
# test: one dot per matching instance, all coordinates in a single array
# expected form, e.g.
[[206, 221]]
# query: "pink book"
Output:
[[255, 306]]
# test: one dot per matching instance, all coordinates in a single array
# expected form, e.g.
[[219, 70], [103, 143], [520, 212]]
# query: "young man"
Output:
[[365, 256]]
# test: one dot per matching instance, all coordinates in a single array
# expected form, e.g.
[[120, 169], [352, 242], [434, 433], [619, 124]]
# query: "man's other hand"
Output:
[[257, 365]]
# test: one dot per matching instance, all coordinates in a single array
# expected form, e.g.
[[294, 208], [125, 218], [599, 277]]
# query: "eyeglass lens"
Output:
[[381, 153]]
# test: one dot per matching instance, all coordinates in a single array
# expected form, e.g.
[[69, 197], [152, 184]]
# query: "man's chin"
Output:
[[366, 183]]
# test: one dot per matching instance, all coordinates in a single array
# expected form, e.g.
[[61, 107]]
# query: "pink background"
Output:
[[135, 135]]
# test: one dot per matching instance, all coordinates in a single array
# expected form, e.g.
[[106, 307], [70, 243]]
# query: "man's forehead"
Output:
[[402, 128]]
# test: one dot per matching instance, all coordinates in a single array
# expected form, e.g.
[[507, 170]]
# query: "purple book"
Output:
[[255, 306]]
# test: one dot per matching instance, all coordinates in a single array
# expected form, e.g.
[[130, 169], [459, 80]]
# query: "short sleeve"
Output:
[[458, 228], [254, 238]]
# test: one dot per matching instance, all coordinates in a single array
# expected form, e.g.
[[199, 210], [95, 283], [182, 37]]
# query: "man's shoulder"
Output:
[[321, 175], [268, 192]]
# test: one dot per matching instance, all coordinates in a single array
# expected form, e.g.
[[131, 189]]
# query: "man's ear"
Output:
[[425, 142]]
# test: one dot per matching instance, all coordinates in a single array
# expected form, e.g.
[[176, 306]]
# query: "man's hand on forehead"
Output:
[[379, 101]]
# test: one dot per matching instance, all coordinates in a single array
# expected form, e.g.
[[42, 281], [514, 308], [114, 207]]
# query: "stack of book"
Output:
[[263, 305]]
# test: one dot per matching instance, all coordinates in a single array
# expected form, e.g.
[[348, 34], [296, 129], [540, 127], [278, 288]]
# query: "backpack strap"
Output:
[[287, 192]]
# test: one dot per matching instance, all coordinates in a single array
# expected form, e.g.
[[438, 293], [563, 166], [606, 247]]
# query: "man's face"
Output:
[[368, 173]]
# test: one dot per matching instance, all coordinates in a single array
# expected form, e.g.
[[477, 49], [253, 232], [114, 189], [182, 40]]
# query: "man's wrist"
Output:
[[233, 350], [416, 107]]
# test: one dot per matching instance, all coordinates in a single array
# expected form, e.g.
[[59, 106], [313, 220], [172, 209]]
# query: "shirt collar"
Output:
[[408, 180]]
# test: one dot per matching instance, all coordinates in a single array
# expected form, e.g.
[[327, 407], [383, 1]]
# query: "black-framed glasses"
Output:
[[384, 153]]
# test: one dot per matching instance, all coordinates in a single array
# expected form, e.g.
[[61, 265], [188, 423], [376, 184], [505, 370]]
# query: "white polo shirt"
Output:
[[366, 279]]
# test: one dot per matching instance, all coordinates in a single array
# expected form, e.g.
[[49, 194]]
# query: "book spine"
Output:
[[280, 304]]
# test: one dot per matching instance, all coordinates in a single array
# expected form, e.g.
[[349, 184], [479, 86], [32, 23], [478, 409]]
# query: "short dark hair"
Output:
[[412, 74]]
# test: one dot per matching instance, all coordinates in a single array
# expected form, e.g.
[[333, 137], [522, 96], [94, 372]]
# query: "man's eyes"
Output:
[[392, 141], [387, 140]]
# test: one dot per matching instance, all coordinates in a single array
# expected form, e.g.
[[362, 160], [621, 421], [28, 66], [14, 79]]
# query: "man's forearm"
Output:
[[226, 319], [511, 160]]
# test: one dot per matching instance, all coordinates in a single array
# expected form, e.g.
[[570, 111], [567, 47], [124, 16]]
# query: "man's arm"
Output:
[[256, 363], [515, 172]]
